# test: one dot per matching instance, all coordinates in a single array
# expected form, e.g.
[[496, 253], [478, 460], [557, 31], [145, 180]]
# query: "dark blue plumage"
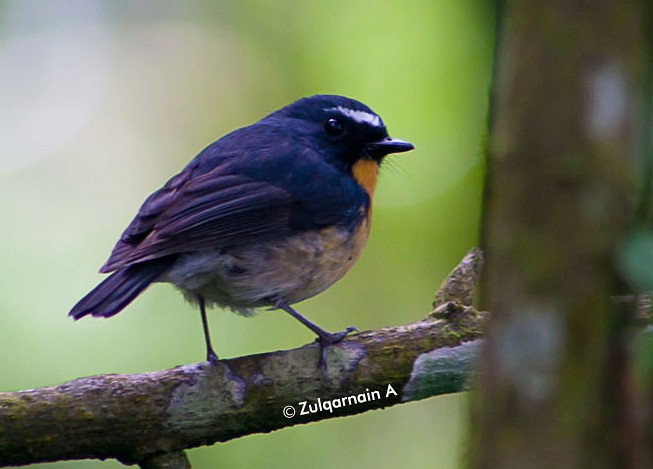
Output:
[[269, 214]]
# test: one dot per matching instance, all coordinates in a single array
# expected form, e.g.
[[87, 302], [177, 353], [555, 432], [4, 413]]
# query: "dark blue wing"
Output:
[[223, 199]]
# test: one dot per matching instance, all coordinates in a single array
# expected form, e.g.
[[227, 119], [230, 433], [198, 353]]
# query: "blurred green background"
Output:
[[102, 101]]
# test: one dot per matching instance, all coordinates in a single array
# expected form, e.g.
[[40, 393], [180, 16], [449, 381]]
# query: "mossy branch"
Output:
[[150, 418]]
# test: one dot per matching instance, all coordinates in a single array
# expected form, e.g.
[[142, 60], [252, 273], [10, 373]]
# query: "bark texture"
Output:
[[555, 388], [150, 418]]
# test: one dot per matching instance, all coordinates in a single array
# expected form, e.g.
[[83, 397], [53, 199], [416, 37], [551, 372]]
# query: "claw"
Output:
[[336, 337], [330, 339], [324, 338], [212, 358]]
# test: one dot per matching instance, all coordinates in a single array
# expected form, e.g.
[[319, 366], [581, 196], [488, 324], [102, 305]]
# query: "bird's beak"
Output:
[[386, 146]]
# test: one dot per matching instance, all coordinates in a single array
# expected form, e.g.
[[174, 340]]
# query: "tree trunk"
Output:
[[565, 131]]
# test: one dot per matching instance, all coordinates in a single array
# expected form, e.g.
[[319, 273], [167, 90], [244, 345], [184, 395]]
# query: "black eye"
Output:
[[334, 127]]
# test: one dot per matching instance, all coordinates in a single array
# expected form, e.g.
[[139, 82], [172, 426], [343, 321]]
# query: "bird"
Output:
[[266, 216]]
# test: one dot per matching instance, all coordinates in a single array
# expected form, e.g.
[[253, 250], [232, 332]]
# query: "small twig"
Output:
[[460, 285]]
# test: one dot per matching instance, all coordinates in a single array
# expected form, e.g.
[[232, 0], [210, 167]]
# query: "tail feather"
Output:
[[119, 289]]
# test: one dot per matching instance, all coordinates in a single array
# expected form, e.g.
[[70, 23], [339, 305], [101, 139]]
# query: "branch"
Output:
[[150, 418]]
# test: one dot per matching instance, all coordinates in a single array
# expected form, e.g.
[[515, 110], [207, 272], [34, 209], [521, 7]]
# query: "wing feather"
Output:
[[220, 200], [208, 216]]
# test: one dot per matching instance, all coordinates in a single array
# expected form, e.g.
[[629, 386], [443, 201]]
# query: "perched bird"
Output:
[[268, 215]]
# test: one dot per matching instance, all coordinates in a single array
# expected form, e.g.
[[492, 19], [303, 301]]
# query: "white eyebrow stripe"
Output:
[[362, 117]]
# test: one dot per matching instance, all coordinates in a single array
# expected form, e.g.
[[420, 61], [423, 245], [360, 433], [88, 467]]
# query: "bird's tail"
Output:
[[120, 289]]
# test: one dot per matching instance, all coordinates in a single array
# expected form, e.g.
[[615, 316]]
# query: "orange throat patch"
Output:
[[365, 172]]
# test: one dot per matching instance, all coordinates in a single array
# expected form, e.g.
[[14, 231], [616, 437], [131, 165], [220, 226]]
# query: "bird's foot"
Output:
[[212, 357], [327, 339], [332, 338]]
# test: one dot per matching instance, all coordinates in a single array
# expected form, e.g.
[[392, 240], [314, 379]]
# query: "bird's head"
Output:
[[345, 132]]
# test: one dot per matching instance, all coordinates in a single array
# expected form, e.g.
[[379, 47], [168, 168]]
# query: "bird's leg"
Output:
[[211, 356], [327, 338], [323, 337]]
